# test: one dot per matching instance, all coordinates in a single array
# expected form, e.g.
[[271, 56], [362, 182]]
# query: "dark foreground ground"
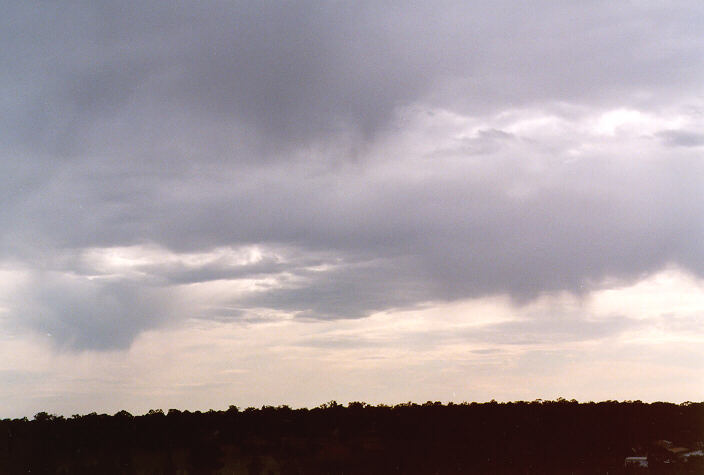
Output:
[[540, 437]]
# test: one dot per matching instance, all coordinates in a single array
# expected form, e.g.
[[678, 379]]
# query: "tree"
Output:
[[44, 417]]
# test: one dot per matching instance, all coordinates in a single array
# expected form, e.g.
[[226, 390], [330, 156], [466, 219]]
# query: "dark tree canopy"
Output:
[[519, 437]]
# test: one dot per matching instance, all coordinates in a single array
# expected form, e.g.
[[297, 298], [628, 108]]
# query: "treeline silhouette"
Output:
[[489, 438]]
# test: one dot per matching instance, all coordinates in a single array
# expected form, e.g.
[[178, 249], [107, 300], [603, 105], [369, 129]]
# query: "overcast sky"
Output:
[[253, 203]]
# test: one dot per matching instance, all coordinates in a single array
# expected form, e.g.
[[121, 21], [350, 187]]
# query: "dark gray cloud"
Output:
[[194, 127], [77, 313], [354, 290], [682, 138], [304, 70]]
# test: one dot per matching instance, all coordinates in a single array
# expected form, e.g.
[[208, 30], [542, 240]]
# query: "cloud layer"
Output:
[[327, 161]]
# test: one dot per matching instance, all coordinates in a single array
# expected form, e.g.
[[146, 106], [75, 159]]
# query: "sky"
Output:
[[249, 203]]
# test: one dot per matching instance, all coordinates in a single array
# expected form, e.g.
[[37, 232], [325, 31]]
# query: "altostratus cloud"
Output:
[[331, 160]]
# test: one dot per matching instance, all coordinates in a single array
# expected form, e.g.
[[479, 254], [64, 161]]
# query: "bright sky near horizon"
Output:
[[249, 203]]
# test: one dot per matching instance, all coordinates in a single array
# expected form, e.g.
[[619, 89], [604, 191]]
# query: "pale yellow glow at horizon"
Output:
[[400, 355]]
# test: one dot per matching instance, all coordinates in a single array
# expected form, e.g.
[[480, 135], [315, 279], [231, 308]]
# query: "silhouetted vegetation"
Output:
[[490, 438]]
